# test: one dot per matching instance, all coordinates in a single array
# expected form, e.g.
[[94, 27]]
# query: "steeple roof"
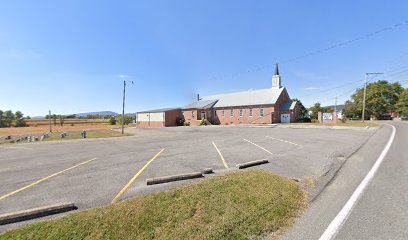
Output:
[[276, 70]]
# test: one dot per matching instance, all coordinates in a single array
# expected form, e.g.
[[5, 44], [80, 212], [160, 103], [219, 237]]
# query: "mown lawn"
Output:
[[238, 205]]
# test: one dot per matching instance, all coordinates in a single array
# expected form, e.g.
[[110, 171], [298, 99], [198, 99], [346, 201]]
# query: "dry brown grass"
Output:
[[14, 131]]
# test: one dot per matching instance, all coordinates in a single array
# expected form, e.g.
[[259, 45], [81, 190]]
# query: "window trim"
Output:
[[261, 112], [250, 112], [232, 113], [241, 112]]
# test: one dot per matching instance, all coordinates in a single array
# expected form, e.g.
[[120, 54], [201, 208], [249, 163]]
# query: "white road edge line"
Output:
[[344, 213], [285, 141], [266, 150]]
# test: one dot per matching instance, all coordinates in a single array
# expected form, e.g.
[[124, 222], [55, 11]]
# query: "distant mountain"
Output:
[[339, 107], [101, 113]]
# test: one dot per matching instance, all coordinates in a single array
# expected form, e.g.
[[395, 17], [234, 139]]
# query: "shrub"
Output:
[[127, 121], [186, 124], [112, 121], [203, 122]]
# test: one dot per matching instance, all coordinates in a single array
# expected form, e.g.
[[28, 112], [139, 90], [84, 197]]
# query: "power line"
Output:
[[314, 52], [341, 44]]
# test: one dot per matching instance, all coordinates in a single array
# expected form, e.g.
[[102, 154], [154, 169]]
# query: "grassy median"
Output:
[[239, 205]]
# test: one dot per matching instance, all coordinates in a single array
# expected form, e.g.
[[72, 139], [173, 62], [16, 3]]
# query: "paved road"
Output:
[[382, 210], [97, 169]]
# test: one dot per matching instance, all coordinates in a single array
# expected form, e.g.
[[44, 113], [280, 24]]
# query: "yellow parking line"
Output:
[[134, 177], [266, 150], [43, 179], [219, 153]]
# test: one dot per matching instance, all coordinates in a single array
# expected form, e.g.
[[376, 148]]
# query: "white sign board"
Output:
[[327, 117]]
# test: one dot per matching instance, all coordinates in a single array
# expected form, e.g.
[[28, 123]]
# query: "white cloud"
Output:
[[124, 76], [309, 75], [22, 54], [312, 88]]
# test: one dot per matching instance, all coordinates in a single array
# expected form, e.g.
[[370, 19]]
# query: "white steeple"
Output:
[[276, 79]]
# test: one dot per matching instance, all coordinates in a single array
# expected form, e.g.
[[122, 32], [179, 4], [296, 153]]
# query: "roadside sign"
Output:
[[327, 117]]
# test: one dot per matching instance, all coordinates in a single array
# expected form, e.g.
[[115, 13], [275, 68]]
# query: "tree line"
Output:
[[382, 98], [10, 119]]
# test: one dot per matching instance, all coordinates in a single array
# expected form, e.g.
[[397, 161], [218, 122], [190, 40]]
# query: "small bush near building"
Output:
[[203, 122], [186, 124]]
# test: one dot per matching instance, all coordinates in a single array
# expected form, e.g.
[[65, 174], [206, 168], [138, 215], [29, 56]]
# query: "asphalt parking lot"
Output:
[[92, 172]]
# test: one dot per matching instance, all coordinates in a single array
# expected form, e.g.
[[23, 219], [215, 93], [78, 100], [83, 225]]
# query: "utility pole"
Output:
[[49, 120], [365, 92], [335, 104], [123, 106]]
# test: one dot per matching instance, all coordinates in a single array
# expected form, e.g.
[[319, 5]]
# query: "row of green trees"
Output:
[[382, 98], [118, 120], [55, 117], [10, 119]]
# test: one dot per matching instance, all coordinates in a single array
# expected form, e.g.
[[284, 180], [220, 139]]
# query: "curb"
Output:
[[35, 213], [173, 178], [252, 163], [208, 171]]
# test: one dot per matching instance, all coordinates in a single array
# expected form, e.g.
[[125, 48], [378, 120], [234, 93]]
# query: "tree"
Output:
[[317, 107], [402, 105], [314, 110], [128, 120], [1, 119], [303, 113], [19, 119], [8, 118], [381, 98], [112, 120], [61, 119], [351, 110], [54, 119]]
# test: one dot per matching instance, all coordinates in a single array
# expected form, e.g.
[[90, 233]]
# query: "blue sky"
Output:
[[68, 56]]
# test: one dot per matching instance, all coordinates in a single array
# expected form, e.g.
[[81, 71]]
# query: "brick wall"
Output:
[[245, 118], [146, 124], [170, 117]]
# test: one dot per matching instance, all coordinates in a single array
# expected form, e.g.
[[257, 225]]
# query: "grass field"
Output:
[[239, 205], [68, 121]]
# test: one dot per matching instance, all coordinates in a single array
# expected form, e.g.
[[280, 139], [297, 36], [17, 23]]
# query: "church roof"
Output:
[[289, 105], [246, 98], [202, 104]]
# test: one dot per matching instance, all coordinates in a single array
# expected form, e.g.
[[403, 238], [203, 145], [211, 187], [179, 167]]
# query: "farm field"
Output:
[[40, 126]]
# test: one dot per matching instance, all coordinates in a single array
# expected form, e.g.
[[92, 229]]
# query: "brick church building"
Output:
[[263, 106]]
